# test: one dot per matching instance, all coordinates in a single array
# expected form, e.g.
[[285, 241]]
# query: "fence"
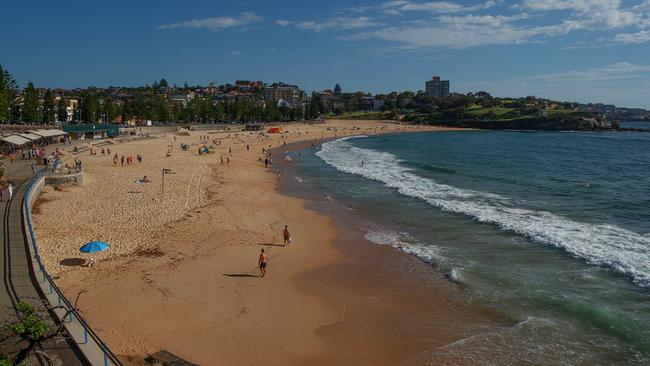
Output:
[[88, 342]]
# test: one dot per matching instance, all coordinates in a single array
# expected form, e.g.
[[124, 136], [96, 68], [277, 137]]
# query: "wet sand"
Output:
[[181, 273]]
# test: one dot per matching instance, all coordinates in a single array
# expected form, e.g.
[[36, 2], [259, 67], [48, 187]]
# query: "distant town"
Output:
[[246, 101]]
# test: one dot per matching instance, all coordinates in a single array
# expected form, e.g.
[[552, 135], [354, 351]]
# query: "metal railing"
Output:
[[87, 341]]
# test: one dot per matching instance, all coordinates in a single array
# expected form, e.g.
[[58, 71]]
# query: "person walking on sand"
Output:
[[286, 235], [10, 191], [263, 261]]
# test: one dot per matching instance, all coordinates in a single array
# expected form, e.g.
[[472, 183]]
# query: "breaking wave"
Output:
[[622, 250]]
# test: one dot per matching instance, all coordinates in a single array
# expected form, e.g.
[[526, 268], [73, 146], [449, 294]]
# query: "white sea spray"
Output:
[[603, 244]]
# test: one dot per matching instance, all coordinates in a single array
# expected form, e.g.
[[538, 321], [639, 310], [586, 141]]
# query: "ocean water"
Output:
[[550, 229], [636, 124]]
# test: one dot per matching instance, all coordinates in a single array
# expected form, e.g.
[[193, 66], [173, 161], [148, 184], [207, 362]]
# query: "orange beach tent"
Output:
[[274, 130]]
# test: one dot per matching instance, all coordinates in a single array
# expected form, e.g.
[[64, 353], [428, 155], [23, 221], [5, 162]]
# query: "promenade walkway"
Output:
[[25, 279], [18, 281]]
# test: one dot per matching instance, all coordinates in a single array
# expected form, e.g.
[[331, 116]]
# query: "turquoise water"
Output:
[[551, 229]]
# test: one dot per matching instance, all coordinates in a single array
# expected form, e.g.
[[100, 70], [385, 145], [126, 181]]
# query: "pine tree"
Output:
[[126, 112], [337, 89], [4, 98], [314, 106], [62, 111], [108, 110], [8, 96], [89, 107], [30, 103], [48, 107]]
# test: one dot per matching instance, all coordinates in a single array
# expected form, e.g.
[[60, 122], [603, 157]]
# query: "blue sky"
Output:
[[579, 50]]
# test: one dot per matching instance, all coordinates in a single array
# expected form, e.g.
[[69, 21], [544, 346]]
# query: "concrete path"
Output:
[[19, 284]]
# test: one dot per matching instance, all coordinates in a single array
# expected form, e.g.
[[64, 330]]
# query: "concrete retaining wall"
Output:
[[55, 180]]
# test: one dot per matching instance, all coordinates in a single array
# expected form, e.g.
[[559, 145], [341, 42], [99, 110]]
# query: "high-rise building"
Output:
[[445, 88], [437, 88], [290, 93]]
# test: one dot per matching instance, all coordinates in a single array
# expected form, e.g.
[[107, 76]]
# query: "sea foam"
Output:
[[606, 245], [403, 242]]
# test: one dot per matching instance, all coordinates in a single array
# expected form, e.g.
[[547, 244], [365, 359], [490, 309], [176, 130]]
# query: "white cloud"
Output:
[[633, 38], [465, 31], [215, 24], [359, 9], [439, 7], [592, 13], [450, 29], [342, 23], [237, 53], [283, 23], [617, 71]]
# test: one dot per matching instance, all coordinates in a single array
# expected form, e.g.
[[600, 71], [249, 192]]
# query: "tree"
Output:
[[30, 103], [108, 110], [49, 114], [314, 106], [177, 113], [89, 107], [8, 94], [163, 83], [62, 111], [337, 89], [30, 327], [75, 113], [126, 112]]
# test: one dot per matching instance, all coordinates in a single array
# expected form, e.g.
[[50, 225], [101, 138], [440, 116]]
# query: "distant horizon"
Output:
[[587, 51]]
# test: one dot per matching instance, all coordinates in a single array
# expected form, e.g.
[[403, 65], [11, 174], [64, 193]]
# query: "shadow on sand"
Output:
[[73, 262], [240, 275], [271, 245]]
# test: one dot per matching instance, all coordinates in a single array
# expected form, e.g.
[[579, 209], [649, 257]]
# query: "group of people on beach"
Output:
[[263, 259], [128, 159]]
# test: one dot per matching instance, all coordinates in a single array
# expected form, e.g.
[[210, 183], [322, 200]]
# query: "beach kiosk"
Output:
[[12, 142], [30, 136], [94, 131], [15, 140], [49, 135]]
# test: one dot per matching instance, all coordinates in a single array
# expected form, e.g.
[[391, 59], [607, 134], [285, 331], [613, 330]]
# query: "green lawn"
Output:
[[362, 115], [499, 112]]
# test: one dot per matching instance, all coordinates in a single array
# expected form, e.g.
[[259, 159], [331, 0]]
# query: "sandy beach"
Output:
[[181, 273]]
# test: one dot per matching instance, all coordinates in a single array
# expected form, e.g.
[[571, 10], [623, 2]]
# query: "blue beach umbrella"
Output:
[[93, 247]]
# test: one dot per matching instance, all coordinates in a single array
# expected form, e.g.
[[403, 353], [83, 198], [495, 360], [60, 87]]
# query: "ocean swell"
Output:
[[606, 245]]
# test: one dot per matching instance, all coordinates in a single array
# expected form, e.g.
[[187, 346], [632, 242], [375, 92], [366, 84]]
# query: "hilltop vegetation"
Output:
[[252, 102]]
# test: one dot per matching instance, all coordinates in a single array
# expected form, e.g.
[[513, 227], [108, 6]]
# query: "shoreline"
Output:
[[189, 270], [385, 294]]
